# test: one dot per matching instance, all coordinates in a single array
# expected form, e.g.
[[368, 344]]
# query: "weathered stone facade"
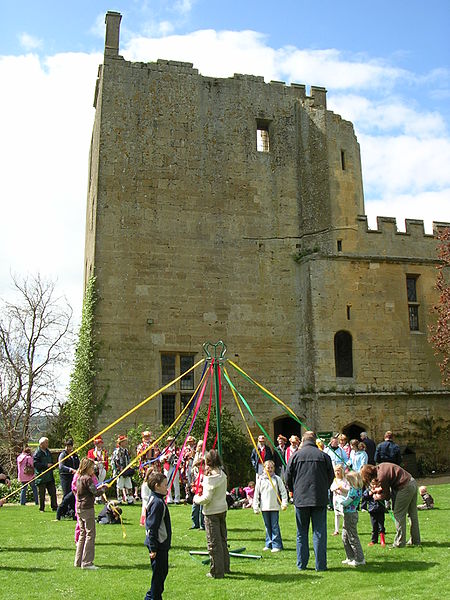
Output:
[[197, 235]]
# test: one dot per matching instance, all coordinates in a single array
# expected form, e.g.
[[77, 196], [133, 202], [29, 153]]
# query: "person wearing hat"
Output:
[[119, 461], [42, 460], [141, 450], [294, 442], [100, 457]]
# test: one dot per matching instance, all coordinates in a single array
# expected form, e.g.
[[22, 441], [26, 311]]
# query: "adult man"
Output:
[[370, 447], [42, 460], [264, 452], [309, 475], [280, 451], [336, 453], [68, 468], [388, 451]]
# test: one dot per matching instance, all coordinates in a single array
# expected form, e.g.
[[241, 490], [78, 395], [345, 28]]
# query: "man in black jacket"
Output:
[[264, 452], [388, 451], [309, 476], [370, 447]]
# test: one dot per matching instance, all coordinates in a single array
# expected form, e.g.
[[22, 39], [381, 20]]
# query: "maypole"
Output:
[[215, 354]]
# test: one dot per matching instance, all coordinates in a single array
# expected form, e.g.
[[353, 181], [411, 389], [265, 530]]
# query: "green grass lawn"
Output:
[[36, 560]]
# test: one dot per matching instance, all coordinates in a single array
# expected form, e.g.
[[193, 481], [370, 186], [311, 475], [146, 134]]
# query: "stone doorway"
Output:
[[286, 426], [353, 431]]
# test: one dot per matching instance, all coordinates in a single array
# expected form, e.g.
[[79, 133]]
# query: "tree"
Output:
[[440, 332], [34, 343], [81, 407]]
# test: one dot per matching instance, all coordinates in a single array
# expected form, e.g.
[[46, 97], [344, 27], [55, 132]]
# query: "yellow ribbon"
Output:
[[129, 412], [255, 445]]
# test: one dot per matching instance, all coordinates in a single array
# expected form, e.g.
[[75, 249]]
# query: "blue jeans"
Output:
[[273, 534], [23, 493], [197, 516], [318, 516]]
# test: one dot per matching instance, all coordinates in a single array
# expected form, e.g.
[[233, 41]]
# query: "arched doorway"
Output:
[[353, 431], [286, 426]]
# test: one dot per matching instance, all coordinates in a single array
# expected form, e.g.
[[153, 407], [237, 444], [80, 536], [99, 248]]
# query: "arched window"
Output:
[[343, 354]]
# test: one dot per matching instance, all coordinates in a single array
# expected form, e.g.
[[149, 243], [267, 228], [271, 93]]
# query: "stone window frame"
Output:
[[343, 354], [263, 135], [175, 398], [412, 280]]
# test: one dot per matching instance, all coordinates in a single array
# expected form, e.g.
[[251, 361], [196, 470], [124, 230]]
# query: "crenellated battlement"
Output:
[[414, 227], [317, 97], [386, 239]]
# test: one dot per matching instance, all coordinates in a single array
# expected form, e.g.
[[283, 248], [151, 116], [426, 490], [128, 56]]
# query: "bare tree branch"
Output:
[[35, 337]]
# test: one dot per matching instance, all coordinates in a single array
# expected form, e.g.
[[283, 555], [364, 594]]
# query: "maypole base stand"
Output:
[[235, 553]]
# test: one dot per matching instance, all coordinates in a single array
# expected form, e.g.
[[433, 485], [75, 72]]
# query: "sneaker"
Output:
[[371, 544], [91, 567], [346, 561], [335, 533], [276, 550], [266, 548], [355, 563]]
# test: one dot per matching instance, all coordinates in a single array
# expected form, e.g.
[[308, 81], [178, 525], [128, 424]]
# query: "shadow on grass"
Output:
[[395, 566], [275, 577], [132, 567], [243, 529], [30, 569], [39, 550], [122, 544], [434, 544]]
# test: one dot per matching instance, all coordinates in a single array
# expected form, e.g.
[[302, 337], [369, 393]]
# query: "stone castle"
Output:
[[233, 209]]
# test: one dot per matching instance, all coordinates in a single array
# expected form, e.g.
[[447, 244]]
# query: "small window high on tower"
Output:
[[262, 136]]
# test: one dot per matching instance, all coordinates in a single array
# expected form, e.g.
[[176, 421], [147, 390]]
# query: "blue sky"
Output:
[[385, 65]]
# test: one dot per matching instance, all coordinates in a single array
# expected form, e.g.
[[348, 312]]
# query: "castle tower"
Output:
[[232, 209]]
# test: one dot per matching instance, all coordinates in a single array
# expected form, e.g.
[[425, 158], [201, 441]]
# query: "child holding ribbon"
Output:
[[268, 493]]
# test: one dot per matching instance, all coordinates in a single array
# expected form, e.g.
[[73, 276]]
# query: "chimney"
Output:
[[112, 21]]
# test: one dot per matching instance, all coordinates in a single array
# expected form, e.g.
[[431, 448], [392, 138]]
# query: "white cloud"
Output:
[[387, 115], [411, 206], [401, 164], [183, 6], [47, 119], [29, 42], [217, 54], [46, 129]]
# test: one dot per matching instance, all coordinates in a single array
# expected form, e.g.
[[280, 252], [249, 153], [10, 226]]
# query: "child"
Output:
[[215, 507], [86, 493], [352, 545], [145, 495], [110, 514], [198, 520], [266, 499], [428, 502], [249, 495], [119, 460], [376, 509], [339, 487], [159, 534]]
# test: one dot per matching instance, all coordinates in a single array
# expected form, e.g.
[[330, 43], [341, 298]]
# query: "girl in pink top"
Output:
[[25, 473]]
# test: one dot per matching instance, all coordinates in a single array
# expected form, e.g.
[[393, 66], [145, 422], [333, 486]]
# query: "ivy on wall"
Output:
[[81, 407]]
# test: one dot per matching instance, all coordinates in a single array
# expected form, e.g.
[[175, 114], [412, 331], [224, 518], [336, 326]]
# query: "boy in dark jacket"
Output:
[[159, 534], [376, 509]]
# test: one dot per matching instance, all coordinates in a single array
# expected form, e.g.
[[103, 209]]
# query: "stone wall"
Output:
[[195, 235]]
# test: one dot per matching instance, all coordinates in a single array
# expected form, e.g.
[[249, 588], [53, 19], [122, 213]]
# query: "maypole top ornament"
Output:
[[215, 351]]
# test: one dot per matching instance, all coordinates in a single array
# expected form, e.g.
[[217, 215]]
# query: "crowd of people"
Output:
[[344, 476]]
